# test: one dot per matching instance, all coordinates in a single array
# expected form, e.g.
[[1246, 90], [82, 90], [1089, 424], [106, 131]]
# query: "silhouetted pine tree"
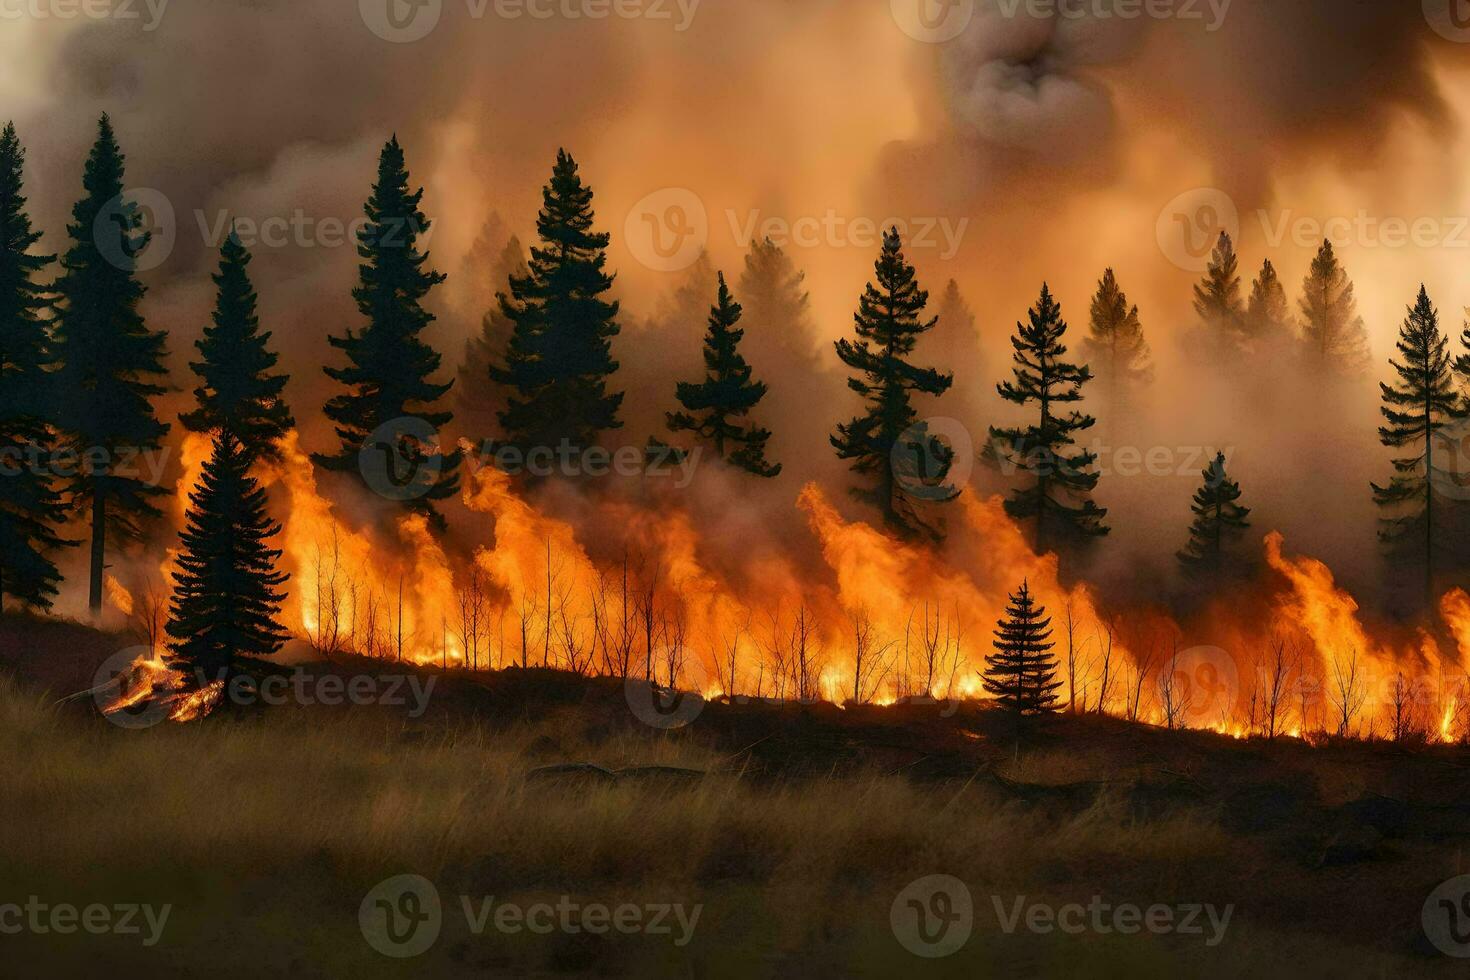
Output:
[[1060, 499], [1117, 344], [560, 356], [389, 365], [237, 391], [480, 400], [30, 507], [1219, 520], [888, 434], [227, 591], [1217, 298], [1335, 336], [1268, 323], [955, 340], [716, 406], [1022, 672], [1423, 403], [106, 354]]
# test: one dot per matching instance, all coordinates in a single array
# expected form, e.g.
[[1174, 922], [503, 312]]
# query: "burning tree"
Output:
[[1022, 673], [888, 329], [1218, 520], [226, 589], [1063, 483], [1418, 409], [1117, 342], [1268, 321], [1334, 334], [30, 507], [106, 353], [716, 406], [237, 393], [388, 369], [560, 355]]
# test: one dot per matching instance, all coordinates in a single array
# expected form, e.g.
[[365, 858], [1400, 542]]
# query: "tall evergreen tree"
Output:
[[389, 364], [955, 340], [715, 408], [111, 364], [1117, 344], [1421, 405], [1268, 322], [1219, 519], [480, 400], [560, 356], [1217, 298], [1022, 672], [30, 507], [1335, 336], [237, 392], [1060, 501], [887, 435], [227, 591]]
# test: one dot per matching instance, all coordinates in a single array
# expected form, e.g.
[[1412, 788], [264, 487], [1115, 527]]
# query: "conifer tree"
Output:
[[1117, 344], [1268, 318], [30, 507], [1218, 520], [111, 364], [1217, 298], [1418, 408], [715, 409], [1060, 500], [560, 356], [1022, 672], [237, 391], [889, 325], [227, 591], [389, 364], [955, 340], [1335, 336], [481, 400]]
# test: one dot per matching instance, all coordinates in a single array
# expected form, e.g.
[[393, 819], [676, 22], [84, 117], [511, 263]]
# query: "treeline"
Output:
[[80, 371]]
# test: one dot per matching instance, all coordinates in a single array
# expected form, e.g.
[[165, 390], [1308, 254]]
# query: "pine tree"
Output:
[[1060, 500], [237, 393], [481, 401], [1418, 408], [1117, 344], [30, 507], [227, 591], [1218, 520], [107, 357], [1335, 336], [1268, 322], [1217, 298], [956, 340], [1022, 672], [560, 356], [888, 434], [715, 408], [389, 364]]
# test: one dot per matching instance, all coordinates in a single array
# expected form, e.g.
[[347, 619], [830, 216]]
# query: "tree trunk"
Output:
[[99, 533]]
